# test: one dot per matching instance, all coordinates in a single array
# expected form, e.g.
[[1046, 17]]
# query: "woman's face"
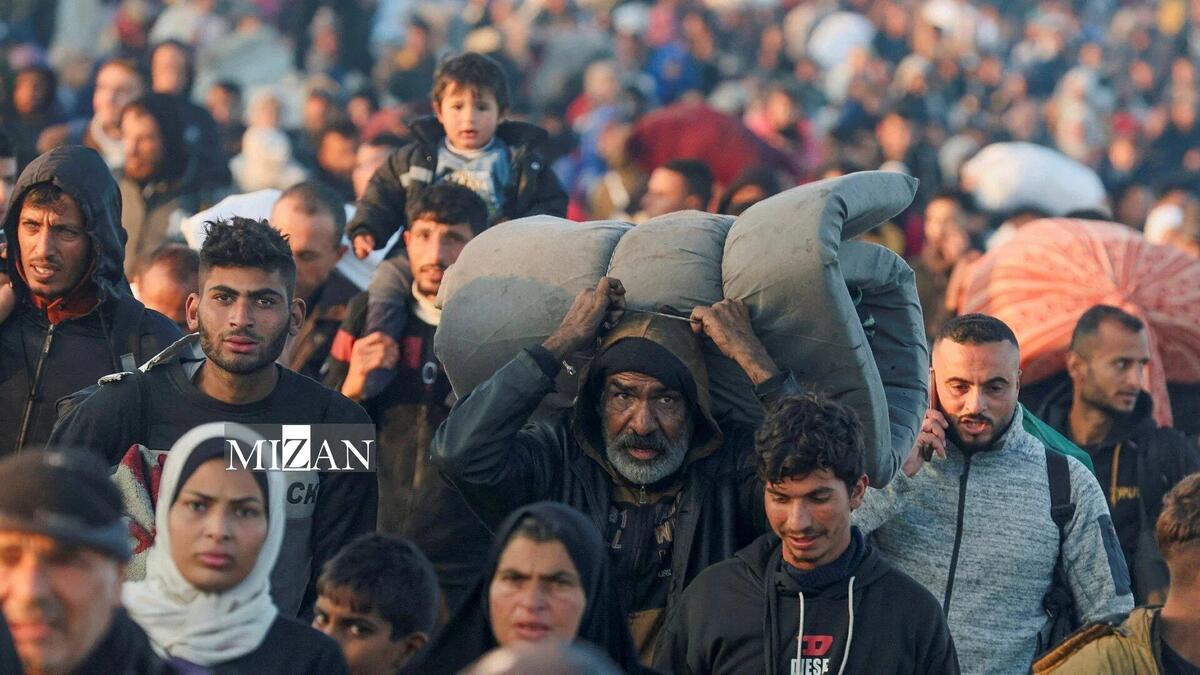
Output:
[[536, 593], [218, 525]]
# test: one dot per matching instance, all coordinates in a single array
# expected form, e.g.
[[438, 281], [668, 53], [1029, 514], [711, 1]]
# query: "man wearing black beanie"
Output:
[[63, 548], [672, 489]]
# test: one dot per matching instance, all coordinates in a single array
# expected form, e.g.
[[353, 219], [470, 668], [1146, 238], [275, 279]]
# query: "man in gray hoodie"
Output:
[[975, 526]]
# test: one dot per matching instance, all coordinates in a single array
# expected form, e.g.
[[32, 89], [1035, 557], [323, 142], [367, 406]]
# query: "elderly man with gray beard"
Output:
[[672, 490]]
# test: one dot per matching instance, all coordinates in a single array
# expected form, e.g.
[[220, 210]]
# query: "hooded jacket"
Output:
[[1141, 463], [42, 361], [976, 530], [533, 188], [742, 616], [499, 459]]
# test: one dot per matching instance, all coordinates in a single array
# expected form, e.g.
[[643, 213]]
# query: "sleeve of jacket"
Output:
[[671, 648], [337, 364], [882, 504], [346, 506], [107, 422], [549, 196], [940, 656], [486, 449], [380, 211], [1092, 559]]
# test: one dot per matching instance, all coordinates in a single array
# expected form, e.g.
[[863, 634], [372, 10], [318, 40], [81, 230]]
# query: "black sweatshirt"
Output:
[[289, 648], [325, 510], [743, 616]]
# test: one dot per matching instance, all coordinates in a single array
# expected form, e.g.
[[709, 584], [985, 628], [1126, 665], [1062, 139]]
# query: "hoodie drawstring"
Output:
[[849, 629], [800, 633], [850, 626]]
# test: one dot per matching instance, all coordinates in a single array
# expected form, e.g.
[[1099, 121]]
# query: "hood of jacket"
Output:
[[81, 173], [1056, 411], [430, 132], [675, 337], [764, 560]]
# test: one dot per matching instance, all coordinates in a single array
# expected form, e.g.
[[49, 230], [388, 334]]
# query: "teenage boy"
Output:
[[831, 603], [378, 598], [469, 144]]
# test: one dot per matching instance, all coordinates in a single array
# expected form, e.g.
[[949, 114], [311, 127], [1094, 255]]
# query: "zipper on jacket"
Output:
[[641, 495], [35, 387], [958, 528]]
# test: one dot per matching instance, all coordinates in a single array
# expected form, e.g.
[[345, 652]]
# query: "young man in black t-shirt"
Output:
[[226, 372], [383, 356]]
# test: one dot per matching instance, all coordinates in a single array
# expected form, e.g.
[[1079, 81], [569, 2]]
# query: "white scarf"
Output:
[[182, 621], [426, 308]]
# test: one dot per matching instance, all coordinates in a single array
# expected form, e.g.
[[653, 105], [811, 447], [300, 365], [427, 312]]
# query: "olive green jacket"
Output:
[[1134, 646]]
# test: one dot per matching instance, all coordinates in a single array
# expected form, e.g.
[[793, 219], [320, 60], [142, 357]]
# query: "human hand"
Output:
[[363, 245], [727, 324], [377, 350], [931, 439], [592, 306]]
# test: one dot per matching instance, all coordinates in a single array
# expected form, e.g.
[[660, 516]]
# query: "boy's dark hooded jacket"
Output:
[[500, 459], [46, 361], [409, 171], [742, 616]]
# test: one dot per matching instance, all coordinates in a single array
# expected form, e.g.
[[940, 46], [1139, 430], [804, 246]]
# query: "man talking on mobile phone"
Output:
[[990, 520]]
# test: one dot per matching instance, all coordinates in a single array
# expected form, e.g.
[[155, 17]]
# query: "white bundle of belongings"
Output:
[[842, 316], [1007, 177]]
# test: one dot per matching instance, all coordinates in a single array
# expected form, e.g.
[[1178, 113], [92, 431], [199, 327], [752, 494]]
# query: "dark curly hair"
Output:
[[806, 433], [450, 204], [246, 242], [476, 72]]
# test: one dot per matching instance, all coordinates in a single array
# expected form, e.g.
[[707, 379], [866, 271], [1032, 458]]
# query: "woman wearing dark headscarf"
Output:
[[547, 578], [206, 599]]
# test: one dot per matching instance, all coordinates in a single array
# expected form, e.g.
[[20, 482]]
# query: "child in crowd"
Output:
[[468, 143], [378, 598]]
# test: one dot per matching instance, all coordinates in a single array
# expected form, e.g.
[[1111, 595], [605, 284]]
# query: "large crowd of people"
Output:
[[225, 221]]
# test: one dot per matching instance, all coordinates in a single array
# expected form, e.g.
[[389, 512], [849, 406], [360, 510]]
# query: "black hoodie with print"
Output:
[[743, 616], [42, 361]]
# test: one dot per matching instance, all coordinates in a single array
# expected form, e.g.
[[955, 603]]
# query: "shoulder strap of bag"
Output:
[[127, 332], [1061, 508]]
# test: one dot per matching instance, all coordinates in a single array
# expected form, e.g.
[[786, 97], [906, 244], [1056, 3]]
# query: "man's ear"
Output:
[[1076, 366], [191, 312], [859, 493], [297, 316], [406, 235], [410, 645]]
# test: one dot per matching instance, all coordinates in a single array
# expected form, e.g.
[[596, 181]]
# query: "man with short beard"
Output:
[[975, 526], [244, 312], [1104, 409], [383, 357], [672, 490], [73, 317]]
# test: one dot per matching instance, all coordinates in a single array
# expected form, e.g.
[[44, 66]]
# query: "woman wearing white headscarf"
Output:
[[206, 598]]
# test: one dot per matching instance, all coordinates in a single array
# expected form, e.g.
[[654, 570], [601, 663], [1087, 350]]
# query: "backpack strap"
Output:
[[127, 332], [1061, 508]]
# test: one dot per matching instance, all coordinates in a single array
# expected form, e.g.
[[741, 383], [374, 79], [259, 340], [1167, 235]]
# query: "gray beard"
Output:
[[669, 460]]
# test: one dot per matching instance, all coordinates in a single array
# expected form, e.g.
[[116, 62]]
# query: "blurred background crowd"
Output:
[[767, 93]]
